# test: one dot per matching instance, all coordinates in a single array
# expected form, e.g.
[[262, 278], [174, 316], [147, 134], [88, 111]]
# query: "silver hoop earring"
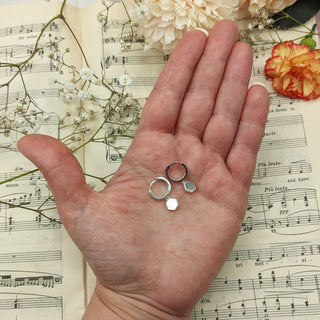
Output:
[[189, 186], [171, 203]]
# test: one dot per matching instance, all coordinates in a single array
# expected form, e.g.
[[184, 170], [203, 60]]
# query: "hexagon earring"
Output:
[[171, 203], [189, 186]]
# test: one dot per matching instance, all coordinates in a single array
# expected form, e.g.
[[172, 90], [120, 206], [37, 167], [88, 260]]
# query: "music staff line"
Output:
[[22, 175], [266, 200], [30, 68], [135, 60], [298, 282], [277, 100], [27, 28], [21, 199], [29, 225], [259, 309], [284, 121], [273, 253], [126, 38], [272, 171], [267, 145], [48, 281], [273, 224], [30, 256], [35, 93], [33, 302], [15, 51]]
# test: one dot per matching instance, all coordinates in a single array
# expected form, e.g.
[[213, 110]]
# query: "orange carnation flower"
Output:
[[295, 70]]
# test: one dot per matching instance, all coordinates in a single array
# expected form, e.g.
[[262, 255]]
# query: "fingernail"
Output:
[[203, 30], [257, 84]]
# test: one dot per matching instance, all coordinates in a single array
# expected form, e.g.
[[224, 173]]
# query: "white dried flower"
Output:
[[269, 22], [85, 116], [169, 20], [70, 97], [21, 122], [125, 80], [250, 26], [36, 128], [69, 86], [142, 12], [86, 73], [255, 8], [77, 121], [85, 129], [146, 47], [84, 95], [10, 114]]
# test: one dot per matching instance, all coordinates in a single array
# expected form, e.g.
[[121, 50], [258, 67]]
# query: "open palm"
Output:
[[201, 113]]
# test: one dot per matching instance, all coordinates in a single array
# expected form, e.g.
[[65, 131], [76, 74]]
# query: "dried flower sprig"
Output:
[[89, 118]]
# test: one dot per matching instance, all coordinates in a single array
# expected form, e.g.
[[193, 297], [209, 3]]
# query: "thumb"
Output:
[[60, 168]]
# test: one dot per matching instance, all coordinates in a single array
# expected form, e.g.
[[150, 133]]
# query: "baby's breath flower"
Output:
[[84, 95], [70, 97], [125, 80], [86, 73], [36, 128], [69, 86], [146, 47], [85, 116], [269, 21], [85, 129], [10, 115], [76, 121], [142, 12]]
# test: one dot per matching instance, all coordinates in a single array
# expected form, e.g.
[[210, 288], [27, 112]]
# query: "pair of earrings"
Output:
[[172, 203]]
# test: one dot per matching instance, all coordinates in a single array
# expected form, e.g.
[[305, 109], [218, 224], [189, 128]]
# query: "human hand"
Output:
[[142, 254]]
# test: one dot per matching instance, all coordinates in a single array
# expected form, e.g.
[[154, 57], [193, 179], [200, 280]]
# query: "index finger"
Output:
[[163, 105]]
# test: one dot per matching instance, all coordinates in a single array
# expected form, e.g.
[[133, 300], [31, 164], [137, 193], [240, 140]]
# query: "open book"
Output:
[[274, 269]]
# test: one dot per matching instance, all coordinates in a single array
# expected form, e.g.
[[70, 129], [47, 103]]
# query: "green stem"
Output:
[[76, 40], [30, 209], [18, 176]]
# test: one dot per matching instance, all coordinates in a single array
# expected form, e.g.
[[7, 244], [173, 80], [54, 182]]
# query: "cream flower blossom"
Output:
[[142, 12], [86, 73], [125, 80], [168, 20], [253, 7]]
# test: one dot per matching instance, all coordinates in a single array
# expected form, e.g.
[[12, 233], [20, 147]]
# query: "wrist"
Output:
[[108, 304]]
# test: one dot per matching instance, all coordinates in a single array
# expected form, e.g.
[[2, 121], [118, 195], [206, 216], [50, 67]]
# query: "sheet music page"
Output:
[[273, 270], [110, 41], [41, 271], [105, 45]]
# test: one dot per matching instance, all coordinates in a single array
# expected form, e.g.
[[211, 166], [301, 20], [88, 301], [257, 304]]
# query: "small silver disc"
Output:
[[172, 204], [189, 186]]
